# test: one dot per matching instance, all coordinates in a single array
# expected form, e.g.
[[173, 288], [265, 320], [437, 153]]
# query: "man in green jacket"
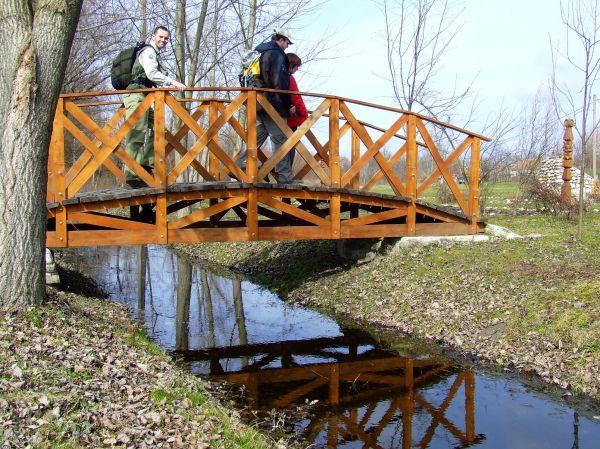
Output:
[[147, 72]]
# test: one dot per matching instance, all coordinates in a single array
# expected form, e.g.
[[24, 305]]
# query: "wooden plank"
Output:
[[473, 205], [111, 238], [208, 235], [293, 211], [52, 240], [334, 143], [252, 214], [412, 158], [334, 215], [161, 218], [110, 204], [293, 140], [436, 214], [108, 221], [206, 213], [55, 153], [354, 156], [373, 231], [251, 144], [294, 233], [213, 162], [58, 175], [160, 152], [441, 165], [375, 218]]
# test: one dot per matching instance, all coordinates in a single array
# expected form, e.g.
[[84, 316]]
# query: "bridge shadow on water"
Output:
[[364, 393]]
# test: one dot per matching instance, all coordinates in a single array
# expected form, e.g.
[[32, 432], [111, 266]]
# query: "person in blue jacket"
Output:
[[274, 69]]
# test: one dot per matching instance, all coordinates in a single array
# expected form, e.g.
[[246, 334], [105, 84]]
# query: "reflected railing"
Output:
[[365, 394]]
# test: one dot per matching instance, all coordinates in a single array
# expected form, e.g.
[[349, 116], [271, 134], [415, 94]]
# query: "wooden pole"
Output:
[[565, 193], [594, 141]]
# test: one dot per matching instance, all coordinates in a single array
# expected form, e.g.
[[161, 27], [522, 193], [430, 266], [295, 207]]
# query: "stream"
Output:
[[366, 391]]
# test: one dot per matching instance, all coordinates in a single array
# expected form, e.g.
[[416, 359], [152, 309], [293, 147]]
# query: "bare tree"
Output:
[[418, 35], [37, 37], [582, 52]]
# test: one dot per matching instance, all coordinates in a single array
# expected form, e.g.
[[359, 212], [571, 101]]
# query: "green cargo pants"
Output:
[[139, 143]]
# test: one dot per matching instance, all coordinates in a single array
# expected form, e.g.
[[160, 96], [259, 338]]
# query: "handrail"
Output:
[[261, 89]]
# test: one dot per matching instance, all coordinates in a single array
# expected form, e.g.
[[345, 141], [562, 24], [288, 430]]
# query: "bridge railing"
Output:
[[197, 139]]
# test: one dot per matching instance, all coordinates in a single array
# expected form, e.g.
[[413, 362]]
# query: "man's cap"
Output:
[[285, 33]]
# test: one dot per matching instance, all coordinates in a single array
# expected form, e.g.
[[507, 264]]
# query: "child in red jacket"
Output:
[[299, 113]]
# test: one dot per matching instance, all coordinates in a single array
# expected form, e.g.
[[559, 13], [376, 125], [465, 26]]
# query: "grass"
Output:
[[495, 195]]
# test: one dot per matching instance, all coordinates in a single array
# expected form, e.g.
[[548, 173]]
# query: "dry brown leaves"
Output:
[[68, 376]]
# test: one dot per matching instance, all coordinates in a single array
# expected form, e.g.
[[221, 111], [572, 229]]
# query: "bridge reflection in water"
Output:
[[367, 396], [285, 354]]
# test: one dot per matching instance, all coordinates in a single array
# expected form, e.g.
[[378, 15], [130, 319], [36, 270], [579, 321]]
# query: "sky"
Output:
[[504, 46]]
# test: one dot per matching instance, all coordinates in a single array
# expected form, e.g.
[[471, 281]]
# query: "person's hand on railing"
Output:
[[179, 86]]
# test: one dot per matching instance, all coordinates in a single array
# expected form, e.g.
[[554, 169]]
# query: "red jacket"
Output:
[[301, 113]]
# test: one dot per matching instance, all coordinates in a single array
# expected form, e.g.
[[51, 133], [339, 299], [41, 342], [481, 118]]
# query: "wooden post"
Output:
[[594, 140], [160, 171], [334, 142], [474, 184], [57, 172], [411, 174], [251, 150], [565, 191], [470, 405], [213, 115], [334, 385], [355, 181], [407, 404], [335, 168]]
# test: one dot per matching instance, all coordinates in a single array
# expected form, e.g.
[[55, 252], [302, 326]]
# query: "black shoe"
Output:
[[136, 183]]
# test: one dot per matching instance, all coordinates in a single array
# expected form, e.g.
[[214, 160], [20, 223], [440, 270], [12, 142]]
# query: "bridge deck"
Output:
[[222, 211]]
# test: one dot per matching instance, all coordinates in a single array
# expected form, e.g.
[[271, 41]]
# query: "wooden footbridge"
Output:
[[355, 180]]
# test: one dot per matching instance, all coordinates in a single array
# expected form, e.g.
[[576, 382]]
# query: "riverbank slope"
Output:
[[530, 305]]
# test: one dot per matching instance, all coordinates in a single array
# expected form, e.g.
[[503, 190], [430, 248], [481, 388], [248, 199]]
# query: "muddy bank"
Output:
[[497, 301]]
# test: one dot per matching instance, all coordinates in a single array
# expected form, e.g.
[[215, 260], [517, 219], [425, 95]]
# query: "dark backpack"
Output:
[[120, 71], [250, 71]]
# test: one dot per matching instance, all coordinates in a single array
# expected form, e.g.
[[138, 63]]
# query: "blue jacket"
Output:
[[274, 70]]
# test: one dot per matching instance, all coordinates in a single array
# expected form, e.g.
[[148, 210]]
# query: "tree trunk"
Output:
[[36, 40]]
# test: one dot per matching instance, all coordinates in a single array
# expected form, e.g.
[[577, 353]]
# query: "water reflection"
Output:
[[367, 396]]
